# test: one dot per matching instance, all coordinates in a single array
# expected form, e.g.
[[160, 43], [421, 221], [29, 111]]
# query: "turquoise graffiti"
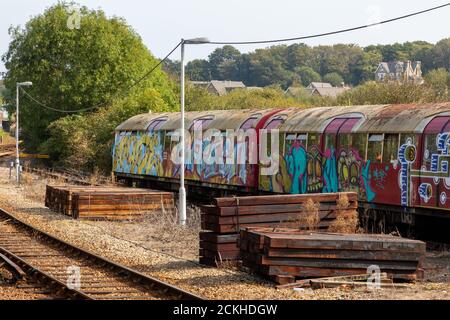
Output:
[[365, 177], [330, 176], [311, 171], [297, 165]]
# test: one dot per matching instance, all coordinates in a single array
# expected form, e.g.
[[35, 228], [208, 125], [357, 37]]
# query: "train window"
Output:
[[313, 140], [359, 142], [344, 141], [275, 123], [375, 148], [156, 124], [249, 123], [291, 136], [404, 137], [201, 123], [302, 138], [430, 148], [390, 148]]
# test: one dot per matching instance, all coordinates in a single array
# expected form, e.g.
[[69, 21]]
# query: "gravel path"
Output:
[[159, 248]]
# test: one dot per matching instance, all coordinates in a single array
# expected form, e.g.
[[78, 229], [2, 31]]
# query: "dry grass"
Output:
[[342, 203], [309, 218], [33, 187], [347, 222]]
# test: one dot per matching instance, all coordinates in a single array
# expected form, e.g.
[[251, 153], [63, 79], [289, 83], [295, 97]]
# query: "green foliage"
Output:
[[196, 70], [439, 80], [280, 65], [75, 69], [334, 78], [224, 62], [308, 75], [371, 93], [85, 142], [198, 99]]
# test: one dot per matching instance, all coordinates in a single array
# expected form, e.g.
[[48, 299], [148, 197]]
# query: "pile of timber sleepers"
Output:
[[226, 216], [286, 255], [109, 203]]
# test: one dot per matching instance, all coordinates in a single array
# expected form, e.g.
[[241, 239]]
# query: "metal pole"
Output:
[[17, 137], [182, 200]]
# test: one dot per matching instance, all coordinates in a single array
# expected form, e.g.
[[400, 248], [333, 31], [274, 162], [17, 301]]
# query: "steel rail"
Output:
[[131, 275]]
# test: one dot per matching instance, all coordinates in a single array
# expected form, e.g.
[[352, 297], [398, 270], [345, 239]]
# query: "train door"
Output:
[[434, 178], [332, 171]]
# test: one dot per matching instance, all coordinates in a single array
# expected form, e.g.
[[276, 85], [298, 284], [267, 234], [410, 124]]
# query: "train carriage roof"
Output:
[[140, 122], [220, 119], [374, 118]]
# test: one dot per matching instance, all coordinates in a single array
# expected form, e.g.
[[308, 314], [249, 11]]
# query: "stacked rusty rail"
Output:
[[110, 203], [226, 216], [285, 255], [53, 264]]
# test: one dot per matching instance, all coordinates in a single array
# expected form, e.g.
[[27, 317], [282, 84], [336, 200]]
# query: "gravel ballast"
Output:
[[160, 249]]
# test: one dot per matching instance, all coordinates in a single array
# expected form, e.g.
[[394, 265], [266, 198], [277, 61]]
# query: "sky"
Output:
[[162, 24]]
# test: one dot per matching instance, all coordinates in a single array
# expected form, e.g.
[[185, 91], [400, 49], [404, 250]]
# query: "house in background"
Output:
[[218, 87], [399, 71], [332, 92], [322, 89], [315, 85]]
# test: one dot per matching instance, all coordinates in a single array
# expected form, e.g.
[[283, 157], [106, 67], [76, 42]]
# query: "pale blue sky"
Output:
[[162, 24]]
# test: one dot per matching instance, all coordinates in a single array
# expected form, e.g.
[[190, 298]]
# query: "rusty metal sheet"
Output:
[[376, 118]]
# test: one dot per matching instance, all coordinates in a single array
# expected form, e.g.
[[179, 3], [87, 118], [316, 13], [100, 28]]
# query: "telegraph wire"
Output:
[[331, 32]]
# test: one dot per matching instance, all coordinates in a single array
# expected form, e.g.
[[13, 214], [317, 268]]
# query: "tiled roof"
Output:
[[223, 87]]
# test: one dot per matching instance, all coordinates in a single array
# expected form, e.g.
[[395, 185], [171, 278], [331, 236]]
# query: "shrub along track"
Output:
[[50, 262]]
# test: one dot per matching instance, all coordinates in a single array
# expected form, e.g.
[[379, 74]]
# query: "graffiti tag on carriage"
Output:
[[240, 150], [425, 192], [438, 170], [379, 175], [315, 176], [141, 153], [349, 164], [406, 157]]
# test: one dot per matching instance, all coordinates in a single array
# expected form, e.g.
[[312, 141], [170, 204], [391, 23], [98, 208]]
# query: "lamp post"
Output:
[[18, 85], [182, 195]]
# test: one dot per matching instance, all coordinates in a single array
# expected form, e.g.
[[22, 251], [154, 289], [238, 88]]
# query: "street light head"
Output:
[[25, 84], [200, 40]]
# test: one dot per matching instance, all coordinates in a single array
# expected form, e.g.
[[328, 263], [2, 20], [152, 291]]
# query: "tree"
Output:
[[308, 75], [172, 67], [224, 63], [365, 68], [85, 141], [334, 78], [441, 54], [198, 70], [74, 69], [439, 80], [266, 69]]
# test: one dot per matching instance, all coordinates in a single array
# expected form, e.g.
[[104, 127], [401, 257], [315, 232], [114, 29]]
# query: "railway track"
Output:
[[73, 273]]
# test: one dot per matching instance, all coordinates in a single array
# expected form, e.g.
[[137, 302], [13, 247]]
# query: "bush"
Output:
[[389, 93]]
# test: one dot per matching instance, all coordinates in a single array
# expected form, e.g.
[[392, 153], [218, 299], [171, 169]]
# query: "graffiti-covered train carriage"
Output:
[[396, 157]]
